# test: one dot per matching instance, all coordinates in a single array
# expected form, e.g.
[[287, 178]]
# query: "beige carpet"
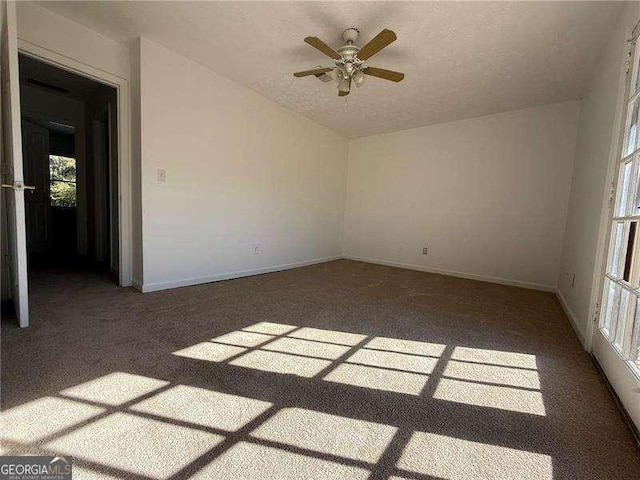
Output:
[[343, 370]]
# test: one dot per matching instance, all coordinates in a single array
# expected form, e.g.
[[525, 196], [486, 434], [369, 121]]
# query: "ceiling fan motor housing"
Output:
[[349, 63], [350, 35]]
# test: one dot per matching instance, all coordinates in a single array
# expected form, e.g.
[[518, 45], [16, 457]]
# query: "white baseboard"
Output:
[[453, 273], [154, 287], [572, 318]]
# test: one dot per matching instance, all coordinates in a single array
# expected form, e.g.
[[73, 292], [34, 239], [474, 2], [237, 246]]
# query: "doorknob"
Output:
[[18, 186]]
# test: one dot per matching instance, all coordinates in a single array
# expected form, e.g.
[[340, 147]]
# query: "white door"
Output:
[[616, 343], [35, 157], [12, 176]]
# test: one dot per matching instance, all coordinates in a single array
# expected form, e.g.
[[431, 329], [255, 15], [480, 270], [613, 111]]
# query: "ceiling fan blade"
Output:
[[315, 42], [344, 93], [377, 43], [314, 71], [385, 74]]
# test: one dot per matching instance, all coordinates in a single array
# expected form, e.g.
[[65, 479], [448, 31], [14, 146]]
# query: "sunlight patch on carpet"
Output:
[[211, 352], [203, 407], [41, 418], [393, 360], [270, 328], [378, 379], [246, 461], [330, 336], [281, 363], [85, 473], [240, 338], [456, 459], [138, 445], [329, 434], [115, 388], [514, 377], [493, 396], [407, 346], [307, 347], [495, 357]]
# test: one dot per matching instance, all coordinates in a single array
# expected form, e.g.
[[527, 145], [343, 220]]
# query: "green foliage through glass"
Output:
[[62, 174]]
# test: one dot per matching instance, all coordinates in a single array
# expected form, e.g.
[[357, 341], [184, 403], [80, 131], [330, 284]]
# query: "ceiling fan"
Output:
[[350, 60]]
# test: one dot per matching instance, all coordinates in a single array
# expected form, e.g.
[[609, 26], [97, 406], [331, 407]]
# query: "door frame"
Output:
[[608, 195], [124, 143], [620, 377]]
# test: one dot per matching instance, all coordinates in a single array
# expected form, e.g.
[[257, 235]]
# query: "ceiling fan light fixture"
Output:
[[359, 78], [343, 84]]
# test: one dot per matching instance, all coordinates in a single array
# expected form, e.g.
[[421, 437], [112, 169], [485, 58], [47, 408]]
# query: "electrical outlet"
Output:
[[256, 249], [161, 175], [425, 251]]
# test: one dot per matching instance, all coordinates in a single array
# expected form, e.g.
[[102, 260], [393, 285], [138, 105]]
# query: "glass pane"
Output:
[[62, 168], [62, 174], [621, 321], [630, 253], [634, 207], [617, 236], [632, 132], [63, 194], [624, 189], [634, 354], [611, 292], [636, 84]]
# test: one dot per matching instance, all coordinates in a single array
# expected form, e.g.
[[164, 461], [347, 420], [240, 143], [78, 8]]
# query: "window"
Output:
[[620, 318], [62, 177]]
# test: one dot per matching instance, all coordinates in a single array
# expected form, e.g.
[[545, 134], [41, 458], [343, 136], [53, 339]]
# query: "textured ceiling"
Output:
[[461, 59]]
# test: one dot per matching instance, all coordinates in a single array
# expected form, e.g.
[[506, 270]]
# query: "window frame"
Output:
[[624, 208]]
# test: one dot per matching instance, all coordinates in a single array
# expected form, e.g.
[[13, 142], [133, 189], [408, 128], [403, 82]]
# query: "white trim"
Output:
[[186, 282], [124, 141], [573, 319], [608, 210], [136, 284], [453, 273]]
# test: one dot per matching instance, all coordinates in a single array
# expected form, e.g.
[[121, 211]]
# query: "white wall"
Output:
[[596, 150], [488, 196], [43, 28], [240, 170]]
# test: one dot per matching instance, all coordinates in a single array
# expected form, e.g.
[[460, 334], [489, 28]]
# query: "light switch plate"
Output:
[[161, 175]]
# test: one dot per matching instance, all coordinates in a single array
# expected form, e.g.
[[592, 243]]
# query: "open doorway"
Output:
[[55, 79], [70, 156]]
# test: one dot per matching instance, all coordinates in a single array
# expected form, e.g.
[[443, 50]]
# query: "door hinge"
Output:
[[629, 61], [596, 312], [612, 193]]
